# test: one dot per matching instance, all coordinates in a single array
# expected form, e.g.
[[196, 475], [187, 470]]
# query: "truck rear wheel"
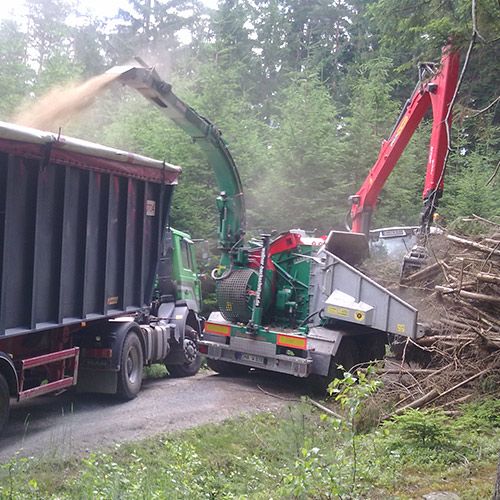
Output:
[[227, 369], [131, 367], [191, 367], [4, 402]]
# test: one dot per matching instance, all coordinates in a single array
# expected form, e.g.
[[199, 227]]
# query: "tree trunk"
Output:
[[496, 493]]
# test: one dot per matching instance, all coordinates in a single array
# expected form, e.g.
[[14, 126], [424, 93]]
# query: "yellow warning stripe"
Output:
[[217, 329], [292, 341]]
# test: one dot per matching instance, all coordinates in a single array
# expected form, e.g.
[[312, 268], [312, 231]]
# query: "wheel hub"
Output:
[[190, 350], [132, 366]]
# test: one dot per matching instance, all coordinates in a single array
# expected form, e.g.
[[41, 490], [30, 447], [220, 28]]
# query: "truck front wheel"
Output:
[[131, 366], [193, 357], [4, 402]]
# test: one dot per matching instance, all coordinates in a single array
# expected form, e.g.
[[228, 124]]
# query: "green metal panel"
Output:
[[185, 270], [291, 306]]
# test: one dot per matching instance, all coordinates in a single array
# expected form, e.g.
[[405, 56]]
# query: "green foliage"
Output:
[[304, 94], [155, 371], [335, 470], [480, 416], [372, 114], [472, 187], [352, 390], [423, 429], [14, 70], [304, 180], [471, 192], [295, 454], [428, 438]]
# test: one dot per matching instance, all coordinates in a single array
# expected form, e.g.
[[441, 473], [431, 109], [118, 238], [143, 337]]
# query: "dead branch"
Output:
[[493, 175], [482, 219], [481, 111], [473, 244], [461, 384], [480, 297], [457, 401], [325, 409], [417, 403], [488, 278], [427, 272]]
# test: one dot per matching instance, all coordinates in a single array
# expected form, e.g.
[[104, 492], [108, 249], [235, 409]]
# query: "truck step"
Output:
[[64, 381]]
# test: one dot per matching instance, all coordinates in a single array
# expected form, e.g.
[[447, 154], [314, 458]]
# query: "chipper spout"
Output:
[[208, 137]]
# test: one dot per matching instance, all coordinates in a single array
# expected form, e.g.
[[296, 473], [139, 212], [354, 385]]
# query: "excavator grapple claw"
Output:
[[413, 261]]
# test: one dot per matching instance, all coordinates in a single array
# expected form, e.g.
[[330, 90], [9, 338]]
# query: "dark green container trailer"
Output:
[[83, 235]]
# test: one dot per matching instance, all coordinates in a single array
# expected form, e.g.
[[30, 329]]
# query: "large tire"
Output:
[[131, 367], [347, 356], [4, 402], [227, 369], [371, 348], [189, 368]]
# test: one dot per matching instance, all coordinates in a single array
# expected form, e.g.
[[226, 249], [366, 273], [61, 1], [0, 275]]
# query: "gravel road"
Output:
[[74, 424]]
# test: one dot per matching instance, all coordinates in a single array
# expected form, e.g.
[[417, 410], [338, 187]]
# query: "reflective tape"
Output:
[[217, 329], [291, 341]]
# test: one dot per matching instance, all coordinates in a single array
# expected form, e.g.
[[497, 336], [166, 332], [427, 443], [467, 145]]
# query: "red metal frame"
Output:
[[437, 92], [62, 381], [285, 242], [130, 168]]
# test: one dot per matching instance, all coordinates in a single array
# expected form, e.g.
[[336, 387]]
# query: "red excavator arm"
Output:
[[436, 88]]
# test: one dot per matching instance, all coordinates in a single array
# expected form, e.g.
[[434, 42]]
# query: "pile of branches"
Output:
[[459, 355]]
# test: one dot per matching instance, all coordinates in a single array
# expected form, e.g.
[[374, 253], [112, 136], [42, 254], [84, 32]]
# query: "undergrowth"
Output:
[[300, 453]]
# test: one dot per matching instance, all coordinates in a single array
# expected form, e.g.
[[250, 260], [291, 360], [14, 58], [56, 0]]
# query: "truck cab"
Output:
[[185, 273]]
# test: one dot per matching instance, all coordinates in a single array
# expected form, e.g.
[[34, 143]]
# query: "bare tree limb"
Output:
[[493, 175], [327, 410], [481, 111]]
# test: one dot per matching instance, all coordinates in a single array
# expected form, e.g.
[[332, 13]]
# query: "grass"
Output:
[[155, 371], [296, 454]]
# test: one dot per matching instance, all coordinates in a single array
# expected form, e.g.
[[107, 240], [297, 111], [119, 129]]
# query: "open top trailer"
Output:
[[83, 235]]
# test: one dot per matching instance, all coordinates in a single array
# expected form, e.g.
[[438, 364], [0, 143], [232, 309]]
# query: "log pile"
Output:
[[469, 291], [459, 356]]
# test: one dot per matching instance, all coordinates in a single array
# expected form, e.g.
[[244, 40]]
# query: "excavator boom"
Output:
[[436, 89]]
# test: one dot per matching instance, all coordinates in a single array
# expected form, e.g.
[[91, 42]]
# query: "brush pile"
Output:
[[458, 297]]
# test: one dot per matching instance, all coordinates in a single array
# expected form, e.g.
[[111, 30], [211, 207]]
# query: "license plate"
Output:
[[392, 233], [253, 358]]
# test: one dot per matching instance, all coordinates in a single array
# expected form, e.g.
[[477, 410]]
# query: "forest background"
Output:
[[304, 92]]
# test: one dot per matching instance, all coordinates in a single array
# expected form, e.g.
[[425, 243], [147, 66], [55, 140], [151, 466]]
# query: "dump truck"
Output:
[[94, 282], [292, 303]]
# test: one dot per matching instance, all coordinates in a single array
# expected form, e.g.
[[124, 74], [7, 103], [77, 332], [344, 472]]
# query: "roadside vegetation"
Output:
[[304, 96], [300, 453]]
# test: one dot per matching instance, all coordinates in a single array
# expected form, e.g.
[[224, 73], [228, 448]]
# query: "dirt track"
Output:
[[73, 424]]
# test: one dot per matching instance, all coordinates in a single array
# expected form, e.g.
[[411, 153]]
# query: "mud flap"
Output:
[[97, 381], [100, 375], [323, 344], [176, 314], [182, 317]]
